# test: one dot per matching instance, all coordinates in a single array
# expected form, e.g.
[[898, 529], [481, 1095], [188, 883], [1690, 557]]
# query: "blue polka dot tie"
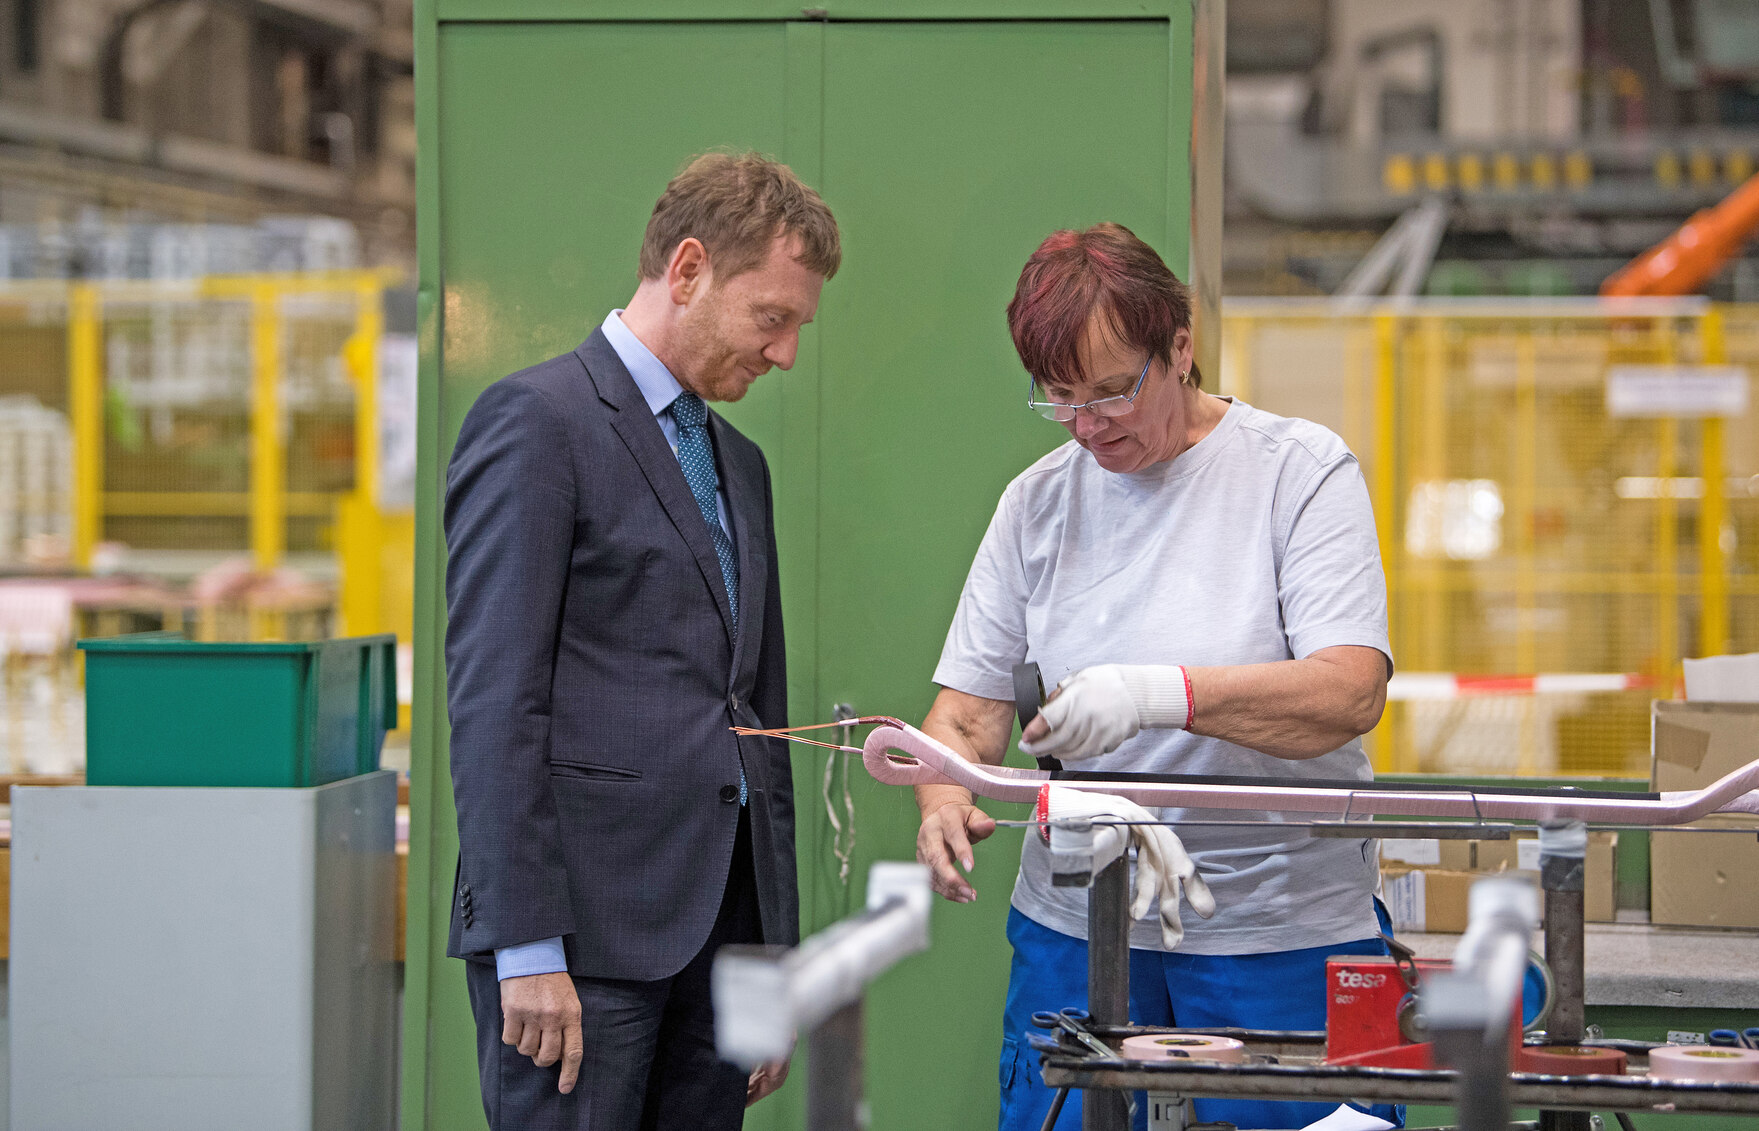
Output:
[[697, 458]]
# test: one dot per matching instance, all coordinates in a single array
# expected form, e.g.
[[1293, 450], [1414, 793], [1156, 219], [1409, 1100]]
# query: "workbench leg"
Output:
[[1562, 857], [833, 1073], [1482, 1102], [1108, 982]]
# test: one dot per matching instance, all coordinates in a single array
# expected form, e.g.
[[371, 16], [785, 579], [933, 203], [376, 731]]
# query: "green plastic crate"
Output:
[[163, 710]]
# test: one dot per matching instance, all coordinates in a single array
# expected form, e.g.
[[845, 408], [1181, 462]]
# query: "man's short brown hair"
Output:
[[737, 204]]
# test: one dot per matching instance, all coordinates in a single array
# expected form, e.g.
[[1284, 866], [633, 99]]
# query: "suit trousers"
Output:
[[650, 1062]]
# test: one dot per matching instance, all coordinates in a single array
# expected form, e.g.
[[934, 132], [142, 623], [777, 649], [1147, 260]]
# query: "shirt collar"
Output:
[[658, 387]]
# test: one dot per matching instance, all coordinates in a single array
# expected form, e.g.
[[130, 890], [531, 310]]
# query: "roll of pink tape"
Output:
[[1703, 1062], [1182, 1046]]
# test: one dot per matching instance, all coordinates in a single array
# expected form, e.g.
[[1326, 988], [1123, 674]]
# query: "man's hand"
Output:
[[765, 1078], [947, 834], [541, 1018]]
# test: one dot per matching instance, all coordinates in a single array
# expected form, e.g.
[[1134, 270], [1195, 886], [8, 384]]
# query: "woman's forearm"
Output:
[[1294, 709], [974, 728]]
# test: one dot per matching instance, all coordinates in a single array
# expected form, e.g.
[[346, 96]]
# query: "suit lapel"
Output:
[[742, 480], [634, 423]]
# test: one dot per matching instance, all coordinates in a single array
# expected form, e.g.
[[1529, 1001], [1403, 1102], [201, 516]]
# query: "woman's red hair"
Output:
[[1102, 270]]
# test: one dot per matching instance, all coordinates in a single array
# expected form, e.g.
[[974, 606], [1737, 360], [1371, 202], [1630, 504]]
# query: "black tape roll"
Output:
[[1028, 698]]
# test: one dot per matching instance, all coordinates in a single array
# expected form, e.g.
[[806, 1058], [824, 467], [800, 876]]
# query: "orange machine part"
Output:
[[1683, 262], [1571, 1060]]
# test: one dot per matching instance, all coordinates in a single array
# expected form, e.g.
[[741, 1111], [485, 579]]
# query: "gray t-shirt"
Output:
[[1256, 544]]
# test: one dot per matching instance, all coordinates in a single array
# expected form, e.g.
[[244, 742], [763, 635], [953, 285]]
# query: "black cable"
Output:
[[1624, 1121], [1050, 1120]]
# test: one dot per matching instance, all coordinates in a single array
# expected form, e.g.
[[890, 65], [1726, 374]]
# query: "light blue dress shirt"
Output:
[[659, 389]]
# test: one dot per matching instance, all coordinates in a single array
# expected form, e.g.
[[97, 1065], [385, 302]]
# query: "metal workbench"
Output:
[[1299, 1074], [1290, 1066]]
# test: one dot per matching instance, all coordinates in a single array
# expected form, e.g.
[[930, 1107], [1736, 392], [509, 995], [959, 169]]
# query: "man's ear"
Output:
[[688, 273]]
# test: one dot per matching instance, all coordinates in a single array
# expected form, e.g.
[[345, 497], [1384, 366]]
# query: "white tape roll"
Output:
[[1181, 1046], [1703, 1062]]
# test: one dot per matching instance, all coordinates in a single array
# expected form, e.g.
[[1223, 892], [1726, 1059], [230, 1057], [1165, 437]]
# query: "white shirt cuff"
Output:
[[542, 957]]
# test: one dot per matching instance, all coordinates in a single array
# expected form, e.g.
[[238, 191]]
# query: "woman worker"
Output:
[[1204, 579]]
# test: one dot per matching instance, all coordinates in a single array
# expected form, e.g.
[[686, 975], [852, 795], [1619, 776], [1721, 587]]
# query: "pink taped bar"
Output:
[[896, 753]]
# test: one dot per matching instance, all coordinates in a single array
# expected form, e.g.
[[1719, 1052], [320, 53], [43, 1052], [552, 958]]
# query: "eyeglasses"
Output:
[[1120, 405]]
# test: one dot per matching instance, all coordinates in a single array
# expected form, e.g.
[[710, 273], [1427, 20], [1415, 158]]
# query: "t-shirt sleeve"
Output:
[[1331, 585], [988, 634]]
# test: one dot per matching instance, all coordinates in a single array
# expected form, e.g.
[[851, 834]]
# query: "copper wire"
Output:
[[787, 733]]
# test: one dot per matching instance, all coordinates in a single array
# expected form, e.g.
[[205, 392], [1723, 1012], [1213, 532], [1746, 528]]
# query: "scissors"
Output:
[[1074, 1022]]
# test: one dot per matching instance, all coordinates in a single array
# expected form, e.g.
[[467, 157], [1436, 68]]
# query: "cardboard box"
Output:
[[1481, 857], [1703, 879], [1424, 852], [1521, 853], [1426, 900], [1601, 897]]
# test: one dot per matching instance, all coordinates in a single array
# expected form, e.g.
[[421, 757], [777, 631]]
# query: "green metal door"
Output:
[[541, 161], [948, 149], [950, 152]]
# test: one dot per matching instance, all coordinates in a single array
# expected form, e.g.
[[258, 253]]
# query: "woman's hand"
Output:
[[977, 730], [944, 843], [1090, 713]]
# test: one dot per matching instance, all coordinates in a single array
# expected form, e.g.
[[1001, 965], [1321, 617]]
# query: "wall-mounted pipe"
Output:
[[324, 20], [133, 145], [1209, 54]]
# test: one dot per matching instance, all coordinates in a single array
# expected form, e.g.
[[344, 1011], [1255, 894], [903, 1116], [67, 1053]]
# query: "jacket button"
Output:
[[729, 793], [733, 702]]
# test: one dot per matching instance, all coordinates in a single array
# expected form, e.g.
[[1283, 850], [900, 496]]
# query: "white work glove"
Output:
[[1095, 710], [1162, 864], [1347, 1118]]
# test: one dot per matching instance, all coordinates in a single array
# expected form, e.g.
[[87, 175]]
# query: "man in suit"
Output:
[[613, 610]]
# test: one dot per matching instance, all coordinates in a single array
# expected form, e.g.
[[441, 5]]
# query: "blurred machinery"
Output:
[[1531, 521], [199, 401], [1564, 136], [201, 112], [228, 455], [1686, 260]]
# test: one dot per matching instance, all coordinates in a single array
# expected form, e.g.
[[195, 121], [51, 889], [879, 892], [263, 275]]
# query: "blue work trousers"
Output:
[[1281, 990]]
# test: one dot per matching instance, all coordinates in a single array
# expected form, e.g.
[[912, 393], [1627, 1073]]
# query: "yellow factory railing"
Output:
[[1525, 527], [230, 414]]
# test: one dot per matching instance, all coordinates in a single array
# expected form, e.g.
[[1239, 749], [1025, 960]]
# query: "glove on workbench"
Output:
[[1163, 866]]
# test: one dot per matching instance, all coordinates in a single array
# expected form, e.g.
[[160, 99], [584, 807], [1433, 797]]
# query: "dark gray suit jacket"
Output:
[[593, 671]]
